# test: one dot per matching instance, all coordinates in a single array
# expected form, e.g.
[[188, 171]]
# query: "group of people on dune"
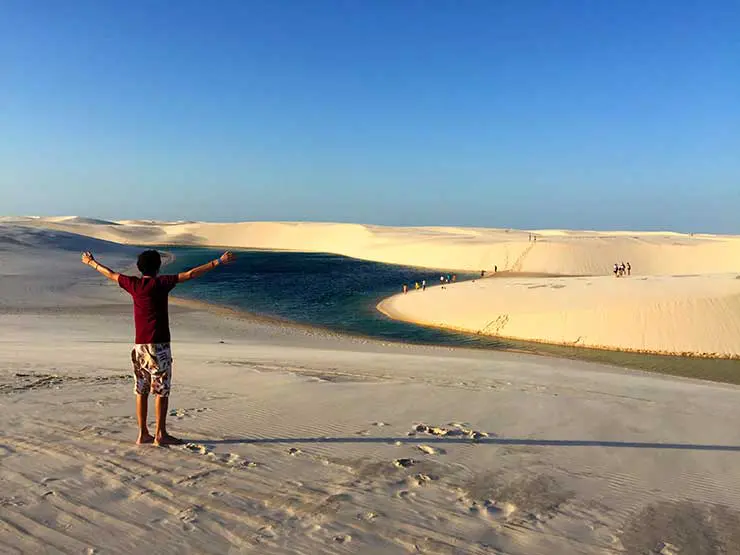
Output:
[[621, 269], [443, 279]]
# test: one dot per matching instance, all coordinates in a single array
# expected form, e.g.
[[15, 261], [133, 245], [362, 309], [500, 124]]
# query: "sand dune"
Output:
[[304, 443], [696, 315], [471, 249], [40, 269]]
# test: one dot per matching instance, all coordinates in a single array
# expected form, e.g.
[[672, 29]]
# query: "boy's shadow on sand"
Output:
[[481, 441]]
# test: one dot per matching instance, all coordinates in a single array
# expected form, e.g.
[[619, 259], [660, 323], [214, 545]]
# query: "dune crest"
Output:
[[464, 249]]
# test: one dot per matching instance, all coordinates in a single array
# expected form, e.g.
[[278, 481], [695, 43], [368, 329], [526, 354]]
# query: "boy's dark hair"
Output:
[[149, 263]]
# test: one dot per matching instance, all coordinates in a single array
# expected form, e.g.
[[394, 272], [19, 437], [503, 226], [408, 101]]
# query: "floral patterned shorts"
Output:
[[152, 368]]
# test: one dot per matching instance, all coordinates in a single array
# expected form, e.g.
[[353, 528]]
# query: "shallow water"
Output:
[[324, 290], [341, 293]]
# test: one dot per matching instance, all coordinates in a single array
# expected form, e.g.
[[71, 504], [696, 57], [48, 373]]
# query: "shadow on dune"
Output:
[[482, 441], [16, 236]]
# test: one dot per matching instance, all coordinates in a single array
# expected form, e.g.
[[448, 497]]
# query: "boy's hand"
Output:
[[89, 260], [226, 257]]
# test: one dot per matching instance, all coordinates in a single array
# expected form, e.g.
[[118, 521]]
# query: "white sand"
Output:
[[295, 434], [682, 298], [696, 315]]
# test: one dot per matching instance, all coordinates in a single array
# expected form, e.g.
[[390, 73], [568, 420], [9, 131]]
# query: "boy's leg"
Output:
[[161, 388], [142, 379], [161, 437], [142, 406]]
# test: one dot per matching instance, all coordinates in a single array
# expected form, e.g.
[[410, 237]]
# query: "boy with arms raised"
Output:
[[151, 356]]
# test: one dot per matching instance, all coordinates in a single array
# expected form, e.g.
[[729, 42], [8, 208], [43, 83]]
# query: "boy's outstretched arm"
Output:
[[198, 271], [87, 258]]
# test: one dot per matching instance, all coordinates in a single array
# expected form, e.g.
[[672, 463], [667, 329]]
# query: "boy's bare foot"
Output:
[[167, 439], [144, 438]]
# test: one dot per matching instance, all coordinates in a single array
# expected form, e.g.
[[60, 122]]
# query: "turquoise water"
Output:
[[324, 290], [340, 294]]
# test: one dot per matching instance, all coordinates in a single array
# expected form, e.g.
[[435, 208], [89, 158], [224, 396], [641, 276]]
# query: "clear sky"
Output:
[[502, 113]]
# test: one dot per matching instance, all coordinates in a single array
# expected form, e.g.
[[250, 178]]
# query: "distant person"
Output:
[[441, 279], [482, 273], [449, 278], [622, 269], [495, 269], [416, 285], [616, 270], [405, 288], [151, 355], [423, 285], [454, 277], [629, 269]]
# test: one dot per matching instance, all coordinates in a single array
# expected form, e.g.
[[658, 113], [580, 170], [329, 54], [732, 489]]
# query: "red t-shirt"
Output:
[[150, 306]]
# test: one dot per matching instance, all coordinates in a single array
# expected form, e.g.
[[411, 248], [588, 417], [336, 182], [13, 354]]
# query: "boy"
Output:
[[151, 356]]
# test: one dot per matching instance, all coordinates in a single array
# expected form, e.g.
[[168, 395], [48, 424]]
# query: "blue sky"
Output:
[[580, 114]]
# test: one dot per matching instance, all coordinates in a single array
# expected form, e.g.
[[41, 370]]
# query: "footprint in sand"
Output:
[[342, 538], [187, 527], [504, 509], [666, 548], [424, 479], [381, 424], [294, 451], [433, 430], [455, 430], [429, 450], [233, 459], [188, 517], [266, 533], [369, 516], [404, 463], [189, 412], [198, 448], [415, 481]]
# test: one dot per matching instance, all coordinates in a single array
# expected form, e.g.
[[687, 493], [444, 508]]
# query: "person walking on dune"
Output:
[[151, 355]]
